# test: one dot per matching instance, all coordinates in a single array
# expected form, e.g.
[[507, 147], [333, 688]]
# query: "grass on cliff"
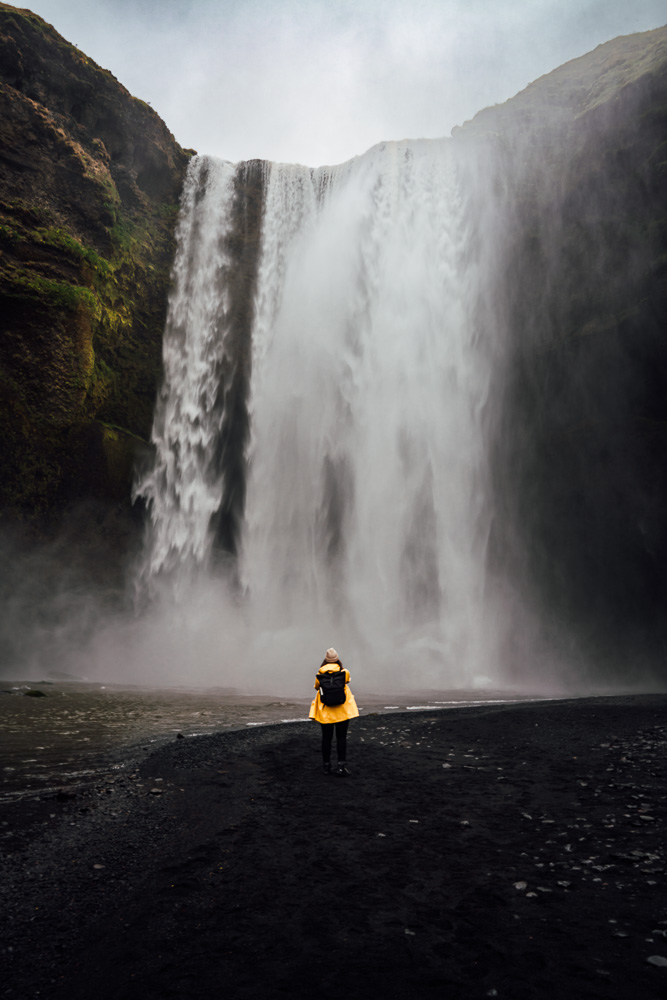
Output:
[[62, 240], [58, 294]]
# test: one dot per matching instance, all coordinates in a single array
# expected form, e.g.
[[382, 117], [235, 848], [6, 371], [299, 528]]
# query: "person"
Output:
[[334, 717]]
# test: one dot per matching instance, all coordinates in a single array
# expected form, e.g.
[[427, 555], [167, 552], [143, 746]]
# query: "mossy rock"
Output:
[[88, 205]]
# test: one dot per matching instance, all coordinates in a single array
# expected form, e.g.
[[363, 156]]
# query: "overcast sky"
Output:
[[318, 81]]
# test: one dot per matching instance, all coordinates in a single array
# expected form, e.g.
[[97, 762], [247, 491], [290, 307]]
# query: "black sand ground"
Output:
[[510, 851]]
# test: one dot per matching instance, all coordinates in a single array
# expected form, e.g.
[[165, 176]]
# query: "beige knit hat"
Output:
[[331, 655]]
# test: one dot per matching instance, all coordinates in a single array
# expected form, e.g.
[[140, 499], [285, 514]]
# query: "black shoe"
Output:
[[341, 770], [326, 768]]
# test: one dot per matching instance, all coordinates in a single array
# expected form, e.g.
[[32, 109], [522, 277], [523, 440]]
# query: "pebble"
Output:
[[520, 885], [657, 960], [99, 867], [156, 791]]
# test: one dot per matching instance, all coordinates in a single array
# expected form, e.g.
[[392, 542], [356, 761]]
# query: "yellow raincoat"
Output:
[[333, 713]]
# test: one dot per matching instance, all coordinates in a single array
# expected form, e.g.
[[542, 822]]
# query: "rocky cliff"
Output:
[[579, 164], [89, 184]]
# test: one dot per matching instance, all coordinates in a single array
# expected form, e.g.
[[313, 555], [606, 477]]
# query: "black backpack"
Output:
[[332, 687]]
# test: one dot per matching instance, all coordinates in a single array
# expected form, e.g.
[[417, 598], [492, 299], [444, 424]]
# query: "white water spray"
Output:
[[183, 488], [367, 510]]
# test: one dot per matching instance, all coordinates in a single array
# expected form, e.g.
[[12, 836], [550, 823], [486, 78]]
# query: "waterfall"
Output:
[[366, 507], [183, 488]]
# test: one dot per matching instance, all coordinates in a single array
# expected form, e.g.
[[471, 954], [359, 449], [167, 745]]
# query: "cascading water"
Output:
[[183, 488], [367, 509]]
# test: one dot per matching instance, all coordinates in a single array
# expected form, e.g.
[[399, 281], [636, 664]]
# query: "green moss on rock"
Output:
[[89, 186]]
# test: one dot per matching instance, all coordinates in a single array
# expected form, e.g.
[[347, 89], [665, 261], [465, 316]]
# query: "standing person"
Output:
[[333, 707]]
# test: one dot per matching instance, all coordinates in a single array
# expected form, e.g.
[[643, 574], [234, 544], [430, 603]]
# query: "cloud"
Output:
[[318, 81]]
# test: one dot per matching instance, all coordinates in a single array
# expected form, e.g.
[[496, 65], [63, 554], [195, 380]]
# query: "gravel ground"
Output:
[[512, 851]]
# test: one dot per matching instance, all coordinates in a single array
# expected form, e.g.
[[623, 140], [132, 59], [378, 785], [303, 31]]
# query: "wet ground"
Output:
[[497, 851], [58, 735]]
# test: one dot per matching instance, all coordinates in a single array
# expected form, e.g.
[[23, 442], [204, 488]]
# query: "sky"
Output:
[[320, 81]]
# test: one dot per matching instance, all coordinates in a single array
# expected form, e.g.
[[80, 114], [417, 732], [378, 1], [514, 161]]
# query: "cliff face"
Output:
[[580, 161], [89, 184]]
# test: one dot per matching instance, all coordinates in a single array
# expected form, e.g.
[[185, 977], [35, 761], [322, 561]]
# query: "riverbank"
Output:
[[511, 850], [61, 735]]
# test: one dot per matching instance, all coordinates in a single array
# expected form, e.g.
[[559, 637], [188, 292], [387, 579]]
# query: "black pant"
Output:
[[327, 739]]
